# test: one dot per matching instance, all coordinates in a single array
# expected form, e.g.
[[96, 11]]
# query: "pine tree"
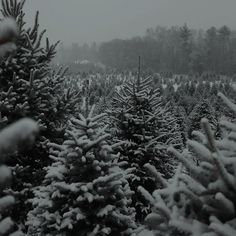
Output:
[[85, 191], [146, 128], [28, 88], [182, 120], [185, 98], [31, 87], [202, 110], [185, 35], [103, 105], [30, 55], [198, 200], [11, 138]]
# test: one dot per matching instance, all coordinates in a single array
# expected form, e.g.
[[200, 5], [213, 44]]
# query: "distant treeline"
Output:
[[175, 49]]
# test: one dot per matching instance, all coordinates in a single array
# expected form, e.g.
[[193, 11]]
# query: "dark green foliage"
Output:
[[202, 110], [199, 199], [85, 191], [28, 88], [146, 127]]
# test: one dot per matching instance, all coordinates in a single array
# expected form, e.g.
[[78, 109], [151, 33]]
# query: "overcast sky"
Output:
[[101, 20]]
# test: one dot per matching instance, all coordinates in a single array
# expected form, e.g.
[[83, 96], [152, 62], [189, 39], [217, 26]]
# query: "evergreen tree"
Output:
[[185, 35], [146, 128], [28, 88], [185, 97], [202, 110], [211, 49], [31, 87], [198, 200], [182, 120], [30, 55], [11, 138], [85, 191]]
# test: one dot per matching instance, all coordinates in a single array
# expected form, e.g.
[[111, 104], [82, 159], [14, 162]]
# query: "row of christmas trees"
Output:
[[92, 174], [199, 199]]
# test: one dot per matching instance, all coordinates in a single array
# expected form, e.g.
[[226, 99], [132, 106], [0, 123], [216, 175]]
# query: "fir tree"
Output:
[[28, 88], [31, 87], [146, 127], [198, 200], [202, 110], [29, 54], [181, 120], [11, 138], [85, 191], [185, 99]]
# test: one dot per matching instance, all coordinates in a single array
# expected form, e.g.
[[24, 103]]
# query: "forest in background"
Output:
[[179, 50]]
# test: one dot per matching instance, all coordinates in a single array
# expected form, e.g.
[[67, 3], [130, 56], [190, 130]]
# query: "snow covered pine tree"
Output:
[[202, 110], [146, 128], [18, 134], [28, 88], [199, 200], [33, 88], [85, 192], [11, 137]]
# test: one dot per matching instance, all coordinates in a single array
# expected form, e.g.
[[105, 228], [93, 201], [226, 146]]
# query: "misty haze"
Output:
[[117, 117]]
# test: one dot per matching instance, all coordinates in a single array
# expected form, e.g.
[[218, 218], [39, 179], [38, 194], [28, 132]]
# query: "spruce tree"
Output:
[[203, 109], [198, 200], [182, 120], [29, 88], [146, 127], [21, 133], [30, 53], [85, 191]]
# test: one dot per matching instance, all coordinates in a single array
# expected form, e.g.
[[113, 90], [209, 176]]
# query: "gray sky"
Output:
[[101, 20]]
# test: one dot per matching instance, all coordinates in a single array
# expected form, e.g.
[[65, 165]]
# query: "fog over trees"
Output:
[[176, 49]]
